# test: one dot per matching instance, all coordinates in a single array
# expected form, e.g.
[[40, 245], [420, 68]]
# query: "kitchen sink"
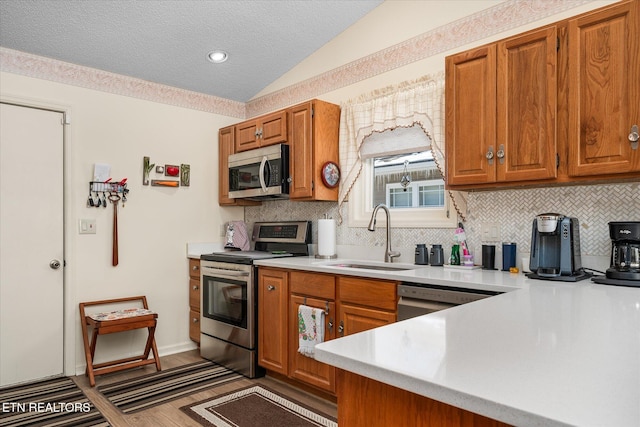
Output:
[[371, 267]]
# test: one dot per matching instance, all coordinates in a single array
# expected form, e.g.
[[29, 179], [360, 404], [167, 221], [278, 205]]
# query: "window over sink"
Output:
[[399, 171]]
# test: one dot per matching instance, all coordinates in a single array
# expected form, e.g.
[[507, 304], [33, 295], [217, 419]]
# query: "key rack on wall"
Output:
[[101, 191]]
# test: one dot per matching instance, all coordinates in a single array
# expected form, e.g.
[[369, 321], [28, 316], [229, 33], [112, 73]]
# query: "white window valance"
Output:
[[405, 105]]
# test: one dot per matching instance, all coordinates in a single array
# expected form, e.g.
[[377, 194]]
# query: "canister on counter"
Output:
[[488, 257], [437, 255], [508, 256], [422, 255]]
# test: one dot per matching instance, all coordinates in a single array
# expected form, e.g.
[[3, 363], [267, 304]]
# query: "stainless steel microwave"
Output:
[[262, 173]]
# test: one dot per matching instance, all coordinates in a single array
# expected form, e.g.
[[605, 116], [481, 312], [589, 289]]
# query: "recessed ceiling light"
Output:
[[217, 56]]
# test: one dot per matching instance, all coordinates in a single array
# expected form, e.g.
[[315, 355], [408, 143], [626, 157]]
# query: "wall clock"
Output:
[[330, 174]]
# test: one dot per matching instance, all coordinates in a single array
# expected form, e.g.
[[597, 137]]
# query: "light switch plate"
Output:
[[490, 232], [87, 226]]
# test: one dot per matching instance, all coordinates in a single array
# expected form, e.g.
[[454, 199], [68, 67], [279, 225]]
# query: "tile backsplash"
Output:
[[513, 210]]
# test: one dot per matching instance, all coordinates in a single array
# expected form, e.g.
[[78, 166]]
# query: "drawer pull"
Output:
[[196, 287], [271, 288], [195, 268], [195, 320]]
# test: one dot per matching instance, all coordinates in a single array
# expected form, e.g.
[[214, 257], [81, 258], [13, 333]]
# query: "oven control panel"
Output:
[[282, 232]]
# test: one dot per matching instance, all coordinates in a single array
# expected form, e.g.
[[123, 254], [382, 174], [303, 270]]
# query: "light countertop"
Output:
[[194, 250], [446, 276], [542, 353]]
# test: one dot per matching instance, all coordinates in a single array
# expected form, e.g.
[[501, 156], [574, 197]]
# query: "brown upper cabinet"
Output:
[[551, 105], [266, 130], [313, 141], [501, 106], [604, 91]]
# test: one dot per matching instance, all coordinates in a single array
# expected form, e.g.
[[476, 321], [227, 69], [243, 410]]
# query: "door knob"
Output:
[[54, 264]]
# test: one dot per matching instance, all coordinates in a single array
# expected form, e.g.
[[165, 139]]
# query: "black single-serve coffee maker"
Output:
[[625, 255], [555, 249]]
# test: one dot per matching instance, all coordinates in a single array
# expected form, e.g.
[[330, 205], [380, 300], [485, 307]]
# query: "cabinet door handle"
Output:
[[195, 320], [271, 288], [341, 328], [330, 324], [489, 155], [633, 137], [195, 268], [195, 287], [500, 154]]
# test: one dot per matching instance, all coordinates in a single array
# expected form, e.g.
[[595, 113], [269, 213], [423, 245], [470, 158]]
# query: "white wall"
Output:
[[156, 223]]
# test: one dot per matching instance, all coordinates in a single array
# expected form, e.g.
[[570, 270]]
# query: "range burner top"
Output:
[[272, 240], [242, 257]]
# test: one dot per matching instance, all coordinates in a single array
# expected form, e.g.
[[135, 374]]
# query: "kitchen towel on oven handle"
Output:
[[310, 329]]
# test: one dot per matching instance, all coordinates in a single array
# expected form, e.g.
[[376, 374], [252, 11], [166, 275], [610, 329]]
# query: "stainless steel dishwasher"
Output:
[[417, 299]]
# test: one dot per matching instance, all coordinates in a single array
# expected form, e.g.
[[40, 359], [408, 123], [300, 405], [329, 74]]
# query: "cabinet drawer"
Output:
[[368, 292], [194, 268], [194, 326], [313, 284], [194, 294]]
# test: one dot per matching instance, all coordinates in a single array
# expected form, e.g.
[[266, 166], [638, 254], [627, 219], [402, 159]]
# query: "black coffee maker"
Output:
[[625, 255], [555, 249]]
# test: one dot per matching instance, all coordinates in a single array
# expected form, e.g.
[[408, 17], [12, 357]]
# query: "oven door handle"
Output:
[[223, 272], [427, 305]]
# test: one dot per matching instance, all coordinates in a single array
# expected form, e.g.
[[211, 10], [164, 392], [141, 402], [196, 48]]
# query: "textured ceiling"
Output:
[[167, 41]]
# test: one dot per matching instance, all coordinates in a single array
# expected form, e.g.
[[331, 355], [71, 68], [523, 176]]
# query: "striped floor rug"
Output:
[[143, 392], [53, 402], [256, 406]]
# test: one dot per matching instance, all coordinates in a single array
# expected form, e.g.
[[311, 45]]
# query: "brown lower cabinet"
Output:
[[363, 402], [273, 294], [194, 300], [351, 304], [307, 369]]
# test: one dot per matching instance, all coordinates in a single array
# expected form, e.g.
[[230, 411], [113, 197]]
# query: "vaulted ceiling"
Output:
[[167, 41]]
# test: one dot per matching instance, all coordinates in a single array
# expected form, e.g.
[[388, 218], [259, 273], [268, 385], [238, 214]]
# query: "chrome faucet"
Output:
[[388, 254]]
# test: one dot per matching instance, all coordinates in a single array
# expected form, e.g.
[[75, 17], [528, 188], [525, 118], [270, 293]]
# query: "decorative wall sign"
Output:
[[182, 173], [164, 183], [171, 170], [185, 175]]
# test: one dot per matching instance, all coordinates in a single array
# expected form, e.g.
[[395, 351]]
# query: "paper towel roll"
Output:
[[326, 237]]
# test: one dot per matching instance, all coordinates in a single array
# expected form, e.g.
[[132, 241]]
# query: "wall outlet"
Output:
[[490, 232], [87, 226]]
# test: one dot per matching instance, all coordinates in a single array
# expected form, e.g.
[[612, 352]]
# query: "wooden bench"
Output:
[[118, 321]]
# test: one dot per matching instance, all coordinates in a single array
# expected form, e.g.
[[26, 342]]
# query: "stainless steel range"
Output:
[[229, 294]]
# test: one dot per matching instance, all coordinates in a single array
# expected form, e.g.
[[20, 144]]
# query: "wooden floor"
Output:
[[169, 414]]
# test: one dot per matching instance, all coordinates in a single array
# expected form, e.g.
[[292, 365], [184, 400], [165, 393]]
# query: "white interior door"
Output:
[[31, 241]]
